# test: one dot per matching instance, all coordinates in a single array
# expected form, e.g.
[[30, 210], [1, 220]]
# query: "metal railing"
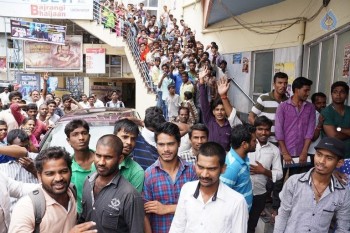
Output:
[[103, 16]]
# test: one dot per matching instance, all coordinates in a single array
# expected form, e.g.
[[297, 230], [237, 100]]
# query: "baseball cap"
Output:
[[333, 145]]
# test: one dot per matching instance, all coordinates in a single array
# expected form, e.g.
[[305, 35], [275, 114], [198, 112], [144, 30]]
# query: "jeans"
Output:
[[254, 214]]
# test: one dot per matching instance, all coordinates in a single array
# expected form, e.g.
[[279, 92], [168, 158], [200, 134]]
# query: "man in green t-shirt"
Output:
[[128, 131], [78, 137]]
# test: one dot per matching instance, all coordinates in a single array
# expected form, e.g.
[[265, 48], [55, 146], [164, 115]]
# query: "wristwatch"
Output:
[[338, 129]]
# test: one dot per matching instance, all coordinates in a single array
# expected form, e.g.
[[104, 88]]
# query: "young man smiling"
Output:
[[310, 201], [201, 203]]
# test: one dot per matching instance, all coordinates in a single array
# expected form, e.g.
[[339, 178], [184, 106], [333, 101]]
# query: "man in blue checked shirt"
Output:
[[164, 180], [237, 175]]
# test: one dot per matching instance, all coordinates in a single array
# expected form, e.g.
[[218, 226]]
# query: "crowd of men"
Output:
[[191, 165]]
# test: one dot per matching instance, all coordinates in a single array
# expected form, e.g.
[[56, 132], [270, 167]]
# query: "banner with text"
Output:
[[50, 9], [28, 83], [49, 58], [39, 32], [95, 60]]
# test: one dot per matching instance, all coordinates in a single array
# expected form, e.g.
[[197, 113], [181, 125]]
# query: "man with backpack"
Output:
[[52, 207]]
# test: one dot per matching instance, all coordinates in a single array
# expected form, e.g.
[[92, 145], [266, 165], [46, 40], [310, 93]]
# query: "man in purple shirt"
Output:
[[294, 127]]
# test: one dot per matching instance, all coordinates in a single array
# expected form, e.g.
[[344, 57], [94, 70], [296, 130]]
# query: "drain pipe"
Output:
[[301, 39]]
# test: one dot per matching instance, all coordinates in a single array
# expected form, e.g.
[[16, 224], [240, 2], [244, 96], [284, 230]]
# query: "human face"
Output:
[[16, 100], [208, 170], [32, 113], [263, 133], [43, 110], [106, 161], [65, 51], [303, 93], [184, 78], [172, 91], [55, 177], [251, 145], [325, 162], [30, 125], [320, 103], [183, 116], [219, 112], [35, 96], [192, 67], [115, 96], [167, 147], [339, 95], [84, 98], [280, 86], [198, 138], [3, 131], [79, 139], [58, 101], [129, 141], [91, 101], [51, 108], [165, 69]]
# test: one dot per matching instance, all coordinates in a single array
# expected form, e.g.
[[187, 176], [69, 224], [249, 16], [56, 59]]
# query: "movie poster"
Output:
[[28, 83]]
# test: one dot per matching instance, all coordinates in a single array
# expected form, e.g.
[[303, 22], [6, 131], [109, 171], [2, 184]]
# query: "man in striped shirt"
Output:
[[267, 103]]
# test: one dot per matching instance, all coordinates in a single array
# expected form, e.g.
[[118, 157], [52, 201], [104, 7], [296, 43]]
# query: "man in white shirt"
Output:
[[84, 101], [4, 96], [98, 103], [115, 102], [266, 155], [208, 205]]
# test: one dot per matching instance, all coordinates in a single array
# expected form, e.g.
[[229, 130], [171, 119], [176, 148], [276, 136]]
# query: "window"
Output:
[[262, 73]]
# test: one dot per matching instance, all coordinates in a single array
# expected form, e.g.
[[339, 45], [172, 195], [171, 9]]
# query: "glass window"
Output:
[[263, 72], [153, 3], [342, 62], [325, 77], [313, 67]]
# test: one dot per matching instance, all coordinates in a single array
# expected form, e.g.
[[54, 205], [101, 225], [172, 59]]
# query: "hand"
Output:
[[204, 73], [155, 207], [257, 169], [303, 159], [341, 177], [84, 228], [28, 164], [287, 159], [46, 76], [320, 121], [223, 86]]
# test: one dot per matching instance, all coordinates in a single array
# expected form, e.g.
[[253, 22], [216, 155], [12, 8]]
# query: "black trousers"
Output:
[[254, 214]]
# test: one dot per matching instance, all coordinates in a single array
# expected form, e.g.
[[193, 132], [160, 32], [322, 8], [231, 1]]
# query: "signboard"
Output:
[[95, 60], [76, 86], [28, 83], [50, 58], [39, 32], [49, 9]]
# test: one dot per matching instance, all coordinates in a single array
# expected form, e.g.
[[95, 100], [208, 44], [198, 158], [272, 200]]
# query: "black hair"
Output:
[[32, 106], [52, 153], [51, 102], [279, 75], [154, 109], [17, 133], [299, 82], [112, 141], [3, 122], [153, 120], [127, 125], [241, 133], [185, 108], [25, 120], [317, 94], [65, 97], [262, 120], [74, 124], [165, 65], [169, 129], [199, 127], [211, 149], [14, 94], [340, 84], [188, 95], [215, 103], [223, 62]]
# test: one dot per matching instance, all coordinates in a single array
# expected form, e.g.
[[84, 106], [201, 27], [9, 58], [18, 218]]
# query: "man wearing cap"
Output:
[[310, 200]]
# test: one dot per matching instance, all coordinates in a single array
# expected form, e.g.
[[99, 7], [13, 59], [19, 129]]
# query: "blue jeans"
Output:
[[161, 103]]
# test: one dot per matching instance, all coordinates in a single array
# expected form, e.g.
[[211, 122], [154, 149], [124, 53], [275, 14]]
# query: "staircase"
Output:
[[145, 95]]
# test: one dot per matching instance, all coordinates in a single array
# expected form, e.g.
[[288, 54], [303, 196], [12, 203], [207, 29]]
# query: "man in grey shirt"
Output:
[[310, 200], [108, 199]]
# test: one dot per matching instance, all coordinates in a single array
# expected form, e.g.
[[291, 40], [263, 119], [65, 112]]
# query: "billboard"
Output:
[[49, 9], [54, 58], [39, 32], [28, 83], [95, 60]]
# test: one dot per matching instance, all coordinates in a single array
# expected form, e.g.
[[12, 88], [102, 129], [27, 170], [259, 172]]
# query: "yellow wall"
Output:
[[232, 37]]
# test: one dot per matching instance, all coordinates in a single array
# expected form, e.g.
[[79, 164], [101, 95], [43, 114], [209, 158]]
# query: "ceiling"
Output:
[[224, 9]]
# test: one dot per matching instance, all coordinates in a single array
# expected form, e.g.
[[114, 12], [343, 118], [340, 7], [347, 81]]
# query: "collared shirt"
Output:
[[118, 207], [159, 186], [332, 117], [299, 211], [14, 170], [10, 188], [237, 175], [266, 105], [293, 126], [78, 177], [193, 215], [186, 87], [118, 104], [173, 103], [144, 153], [132, 172], [188, 156], [164, 86], [56, 219], [269, 156], [84, 104], [314, 143], [219, 134]]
